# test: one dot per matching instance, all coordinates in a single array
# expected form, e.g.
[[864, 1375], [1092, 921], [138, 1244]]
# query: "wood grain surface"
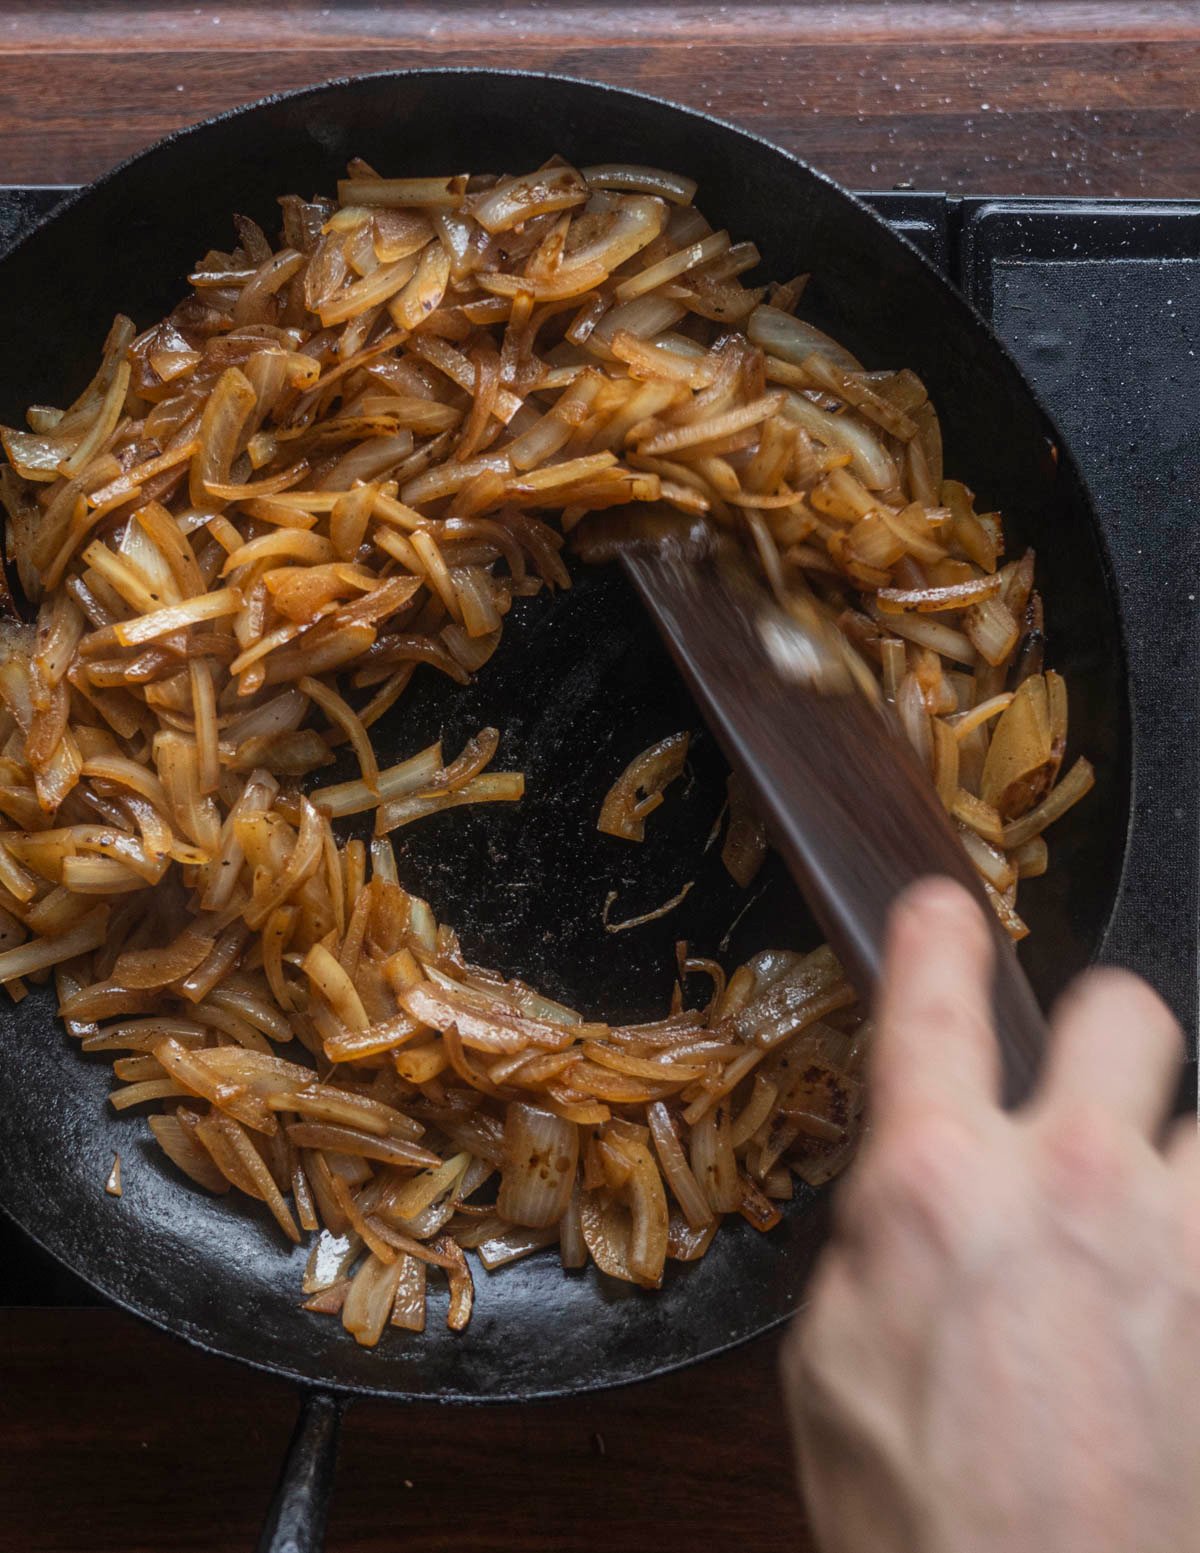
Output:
[[114, 1439], [1058, 97]]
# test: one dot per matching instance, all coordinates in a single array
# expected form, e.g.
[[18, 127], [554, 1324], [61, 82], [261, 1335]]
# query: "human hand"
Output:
[[1002, 1352]]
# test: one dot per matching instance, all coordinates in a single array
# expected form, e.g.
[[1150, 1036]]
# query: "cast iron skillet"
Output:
[[579, 685]]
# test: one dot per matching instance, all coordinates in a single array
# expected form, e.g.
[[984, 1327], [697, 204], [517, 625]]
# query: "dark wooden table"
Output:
[[114, 1438], [991, 96]]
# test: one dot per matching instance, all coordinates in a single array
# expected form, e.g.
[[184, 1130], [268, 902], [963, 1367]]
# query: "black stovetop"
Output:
[[1100, 303]]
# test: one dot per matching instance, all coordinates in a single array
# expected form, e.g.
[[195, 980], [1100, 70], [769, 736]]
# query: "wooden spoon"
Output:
[[840, 790]]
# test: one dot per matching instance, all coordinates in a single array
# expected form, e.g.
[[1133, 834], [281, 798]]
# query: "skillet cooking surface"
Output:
[[579, 685]]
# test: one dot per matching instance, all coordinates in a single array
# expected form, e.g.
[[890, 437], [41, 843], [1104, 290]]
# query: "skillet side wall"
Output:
[[222, 1279]]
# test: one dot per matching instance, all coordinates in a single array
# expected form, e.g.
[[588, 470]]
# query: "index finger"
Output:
[[935, 1039]]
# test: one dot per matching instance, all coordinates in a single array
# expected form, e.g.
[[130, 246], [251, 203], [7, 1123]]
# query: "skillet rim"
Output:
[[1066, 461]]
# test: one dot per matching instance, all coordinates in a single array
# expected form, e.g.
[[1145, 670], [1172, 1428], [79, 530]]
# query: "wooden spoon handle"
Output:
[[853, 815]]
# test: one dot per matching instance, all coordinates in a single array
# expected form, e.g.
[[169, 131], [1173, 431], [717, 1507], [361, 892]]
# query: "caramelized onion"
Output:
[[745, 844], [336, 467], [540, 1155], [638, 791]]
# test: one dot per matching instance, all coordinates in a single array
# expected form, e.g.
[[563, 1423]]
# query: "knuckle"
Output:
[[953, 1008], [949, 1008], [925, 1172], [1085, 1157]]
